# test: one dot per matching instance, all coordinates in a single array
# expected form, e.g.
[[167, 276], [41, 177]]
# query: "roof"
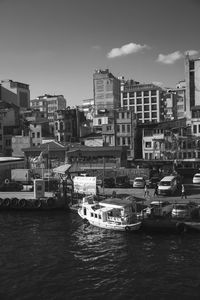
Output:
[[168, 178], [62, 169], [116, 202], [50, 146]]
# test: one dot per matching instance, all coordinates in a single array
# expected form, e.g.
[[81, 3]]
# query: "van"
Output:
[[168, 185]]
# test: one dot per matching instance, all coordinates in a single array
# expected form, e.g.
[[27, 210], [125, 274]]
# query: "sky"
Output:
[[55, 45]]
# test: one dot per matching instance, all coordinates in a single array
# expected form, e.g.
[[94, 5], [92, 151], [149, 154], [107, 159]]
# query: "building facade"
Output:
[[16, 93], [146, 100], [49, 104], [106, 89]]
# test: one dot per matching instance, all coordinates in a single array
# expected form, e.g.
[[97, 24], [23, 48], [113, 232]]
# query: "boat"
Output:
[[111, 213]]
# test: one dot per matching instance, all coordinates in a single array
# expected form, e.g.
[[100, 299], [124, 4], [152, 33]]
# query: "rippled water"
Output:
[[53, 255]]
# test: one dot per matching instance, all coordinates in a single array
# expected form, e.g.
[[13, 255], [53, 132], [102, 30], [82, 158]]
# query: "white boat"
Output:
[[112, 213]]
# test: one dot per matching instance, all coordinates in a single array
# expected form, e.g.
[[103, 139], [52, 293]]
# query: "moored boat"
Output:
[[112, 213]]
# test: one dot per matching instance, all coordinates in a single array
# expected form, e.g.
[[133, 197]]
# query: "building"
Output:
[[16, 93], [145, 100], [39, 130], [121, 130], [192, 77], [67, 125], [88, 108], [49, 104], [106, 89], [9, 126]]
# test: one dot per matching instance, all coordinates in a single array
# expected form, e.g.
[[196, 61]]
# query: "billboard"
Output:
[[85, 185]]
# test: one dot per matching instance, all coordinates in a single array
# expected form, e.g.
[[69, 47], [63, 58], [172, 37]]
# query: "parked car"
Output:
[[122, 181], [153, 181], [11, 186], [196, 178], [159, 208], [109, 182], [139, 182], [184, 210]]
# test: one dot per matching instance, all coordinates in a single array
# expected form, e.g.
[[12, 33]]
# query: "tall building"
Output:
[[14, 92], [146, 100], [106, 88], [192, 77]]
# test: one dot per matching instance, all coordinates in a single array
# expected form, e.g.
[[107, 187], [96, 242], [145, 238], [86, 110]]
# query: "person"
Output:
[[146, 191], [156, 190], [183, 194]]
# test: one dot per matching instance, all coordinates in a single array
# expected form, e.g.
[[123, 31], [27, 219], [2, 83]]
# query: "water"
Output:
[[53, 255]]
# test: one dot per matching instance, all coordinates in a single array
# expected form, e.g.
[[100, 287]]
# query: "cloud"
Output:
[[192, 52], [126, 49], [169, 58]]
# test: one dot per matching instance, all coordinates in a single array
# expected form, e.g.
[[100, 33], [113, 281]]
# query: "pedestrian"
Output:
[[183, 193], [146, 191], [156, 190]]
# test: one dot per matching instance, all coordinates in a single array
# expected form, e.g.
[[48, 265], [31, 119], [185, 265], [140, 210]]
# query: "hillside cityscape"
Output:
[[125, 122]]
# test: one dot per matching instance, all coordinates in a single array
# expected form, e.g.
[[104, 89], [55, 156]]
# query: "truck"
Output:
[[22, 175]]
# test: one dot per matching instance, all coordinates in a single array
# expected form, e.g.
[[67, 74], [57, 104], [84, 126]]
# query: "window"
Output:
[[33, 134], [139, 115], [0, 137], [118, 141], [146, 107], [128, 128], [154, 107], [139, 101], [129, 140], [131, 95], [153, 92], [153, 100], [146, 100], [131, 101], [123, 141], [125, 102], [38, 134], [128, 115], [92, 214], [122, 115], [139, 108], [99, 121], [199, 128], [118, 128], [139, 94], [194, 128], [148, 145], [154, 114], [146, 93], [124, 95], [146, 115], [123, 128]]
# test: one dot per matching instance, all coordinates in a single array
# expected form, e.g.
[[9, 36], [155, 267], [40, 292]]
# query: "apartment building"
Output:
[[106, 89], [67, 125], [146, 100], [49, 104], [192, 77]]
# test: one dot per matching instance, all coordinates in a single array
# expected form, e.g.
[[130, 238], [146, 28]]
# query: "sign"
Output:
[[85, 185], [39, 188]]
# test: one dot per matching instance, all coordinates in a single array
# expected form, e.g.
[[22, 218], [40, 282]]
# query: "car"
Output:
[[153, 181], [11, 186], [109, 182], [196, 178], [159, 208], [184, 210], [168, 185], [139, 182], [122, 181]]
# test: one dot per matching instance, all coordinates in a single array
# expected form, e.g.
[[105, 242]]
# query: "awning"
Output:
[[62, 169]]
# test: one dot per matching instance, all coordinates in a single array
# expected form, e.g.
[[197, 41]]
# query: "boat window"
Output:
[[85, 211], [92, 214], [99, 216], [95, 215]]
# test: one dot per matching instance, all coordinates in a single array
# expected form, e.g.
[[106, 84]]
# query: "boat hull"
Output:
[[112, 226]]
